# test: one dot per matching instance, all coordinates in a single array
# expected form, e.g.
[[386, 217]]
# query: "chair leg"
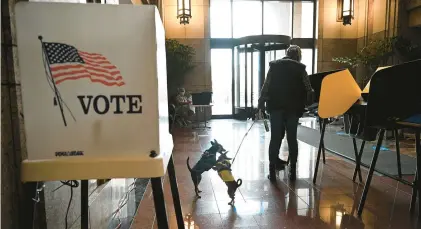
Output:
[[414, 192], [398, 153], [323, 142], [319, 152], [357, 160], [174, 120], [324, 152], [418, 184], [370, 172]]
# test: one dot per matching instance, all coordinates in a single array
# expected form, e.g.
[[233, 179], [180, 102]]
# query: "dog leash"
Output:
[[259, 116], [244, 137], [248, 131]]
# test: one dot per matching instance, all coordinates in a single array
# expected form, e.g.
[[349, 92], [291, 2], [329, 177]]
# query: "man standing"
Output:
[[286, 91]]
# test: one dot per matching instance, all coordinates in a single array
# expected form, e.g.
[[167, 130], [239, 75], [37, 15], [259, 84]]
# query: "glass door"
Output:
[[253, 79], [246, 79], [221, 67]]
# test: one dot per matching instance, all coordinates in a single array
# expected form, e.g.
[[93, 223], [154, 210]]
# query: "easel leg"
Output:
[[319, 152], [357, 160], [158, 198], [30, 205], [175, 194], [398, 153], [370, 172], [84, 204]]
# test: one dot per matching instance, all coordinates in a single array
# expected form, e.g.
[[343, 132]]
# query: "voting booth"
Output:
[[391, 100], [94, 94]]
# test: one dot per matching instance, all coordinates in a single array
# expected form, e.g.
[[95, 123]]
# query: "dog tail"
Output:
[[188, 165], [239, 182]]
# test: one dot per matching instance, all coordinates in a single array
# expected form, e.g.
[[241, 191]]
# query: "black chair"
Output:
[[355, 127], [395, 95]]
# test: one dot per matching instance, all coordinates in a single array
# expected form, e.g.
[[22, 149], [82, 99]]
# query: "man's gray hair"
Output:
[[294, 52]]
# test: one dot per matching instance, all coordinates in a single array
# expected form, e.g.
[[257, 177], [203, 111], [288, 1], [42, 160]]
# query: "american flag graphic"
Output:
[[68, 63]]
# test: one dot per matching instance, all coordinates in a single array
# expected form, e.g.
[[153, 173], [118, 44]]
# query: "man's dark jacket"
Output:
[[286, 90]]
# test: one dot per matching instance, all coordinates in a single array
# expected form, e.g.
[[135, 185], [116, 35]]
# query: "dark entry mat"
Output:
[[341, 144]]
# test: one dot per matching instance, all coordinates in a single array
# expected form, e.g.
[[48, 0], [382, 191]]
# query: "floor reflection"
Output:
[[330, 204]]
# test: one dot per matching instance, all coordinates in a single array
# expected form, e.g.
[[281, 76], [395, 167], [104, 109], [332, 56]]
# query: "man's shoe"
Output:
[[292, 173], [280, 164]]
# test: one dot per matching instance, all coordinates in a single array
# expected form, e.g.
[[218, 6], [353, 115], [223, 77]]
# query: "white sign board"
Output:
[[93, 80]]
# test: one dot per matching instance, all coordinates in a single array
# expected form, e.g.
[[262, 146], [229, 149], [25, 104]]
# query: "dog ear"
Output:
[[212, 143], [215, 140]]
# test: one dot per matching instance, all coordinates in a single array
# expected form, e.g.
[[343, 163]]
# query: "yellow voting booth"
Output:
[[338, 92]]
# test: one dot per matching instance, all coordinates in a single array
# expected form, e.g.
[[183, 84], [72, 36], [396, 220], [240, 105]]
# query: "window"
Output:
[[63, 1], [279, 54], [221, 67], [220, 23], [252, 79], [236, 77], [268, 59], [247, 18], [110, 2], [290, 18], [303, 18], [277, 18], [271, 56], [242, 77], [232, 19], [307, 57]]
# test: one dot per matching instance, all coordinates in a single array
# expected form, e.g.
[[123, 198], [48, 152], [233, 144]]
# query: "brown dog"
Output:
[[223, 166]]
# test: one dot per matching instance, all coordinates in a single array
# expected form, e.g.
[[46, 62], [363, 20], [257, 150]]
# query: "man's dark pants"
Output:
[[281, 122]]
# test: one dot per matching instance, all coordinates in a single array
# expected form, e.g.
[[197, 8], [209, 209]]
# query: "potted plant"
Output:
[[377, 53], [179, 63], [370, 57], [406, 50]]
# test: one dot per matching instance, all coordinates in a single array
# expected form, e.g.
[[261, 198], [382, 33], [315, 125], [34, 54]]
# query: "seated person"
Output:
[[185, 110]]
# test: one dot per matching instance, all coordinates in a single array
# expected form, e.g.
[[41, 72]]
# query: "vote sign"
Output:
[[93, 79]]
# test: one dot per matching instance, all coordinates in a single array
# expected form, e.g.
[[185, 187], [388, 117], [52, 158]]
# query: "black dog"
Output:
[[206, 162], [223, 166]]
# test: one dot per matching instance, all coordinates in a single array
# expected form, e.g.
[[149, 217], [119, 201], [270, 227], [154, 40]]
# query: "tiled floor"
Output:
[[259, 204]]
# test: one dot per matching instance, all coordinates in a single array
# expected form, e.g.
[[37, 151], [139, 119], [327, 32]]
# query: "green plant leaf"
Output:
[[372, 54], [179, 61]]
